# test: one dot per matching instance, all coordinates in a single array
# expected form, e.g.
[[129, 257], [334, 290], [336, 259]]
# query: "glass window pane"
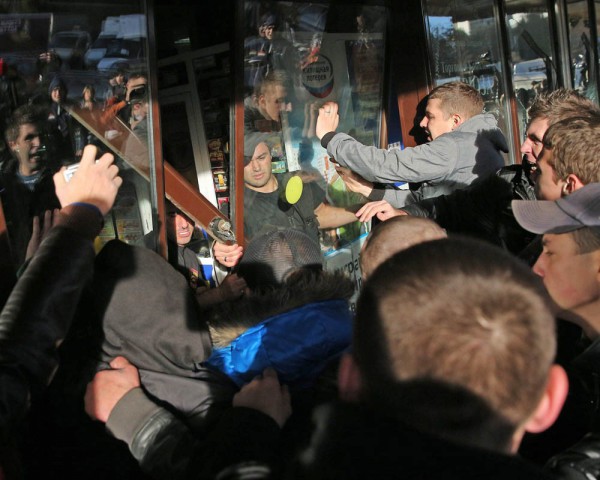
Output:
[[464, 46], [533, 68], [59, 91], [297, 56]]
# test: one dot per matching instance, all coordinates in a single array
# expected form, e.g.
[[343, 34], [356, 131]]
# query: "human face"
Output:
[[435, 122], [140, 110], [56, 95], [272, 102], [26, 149], [268, 29], [532, 145], [257, 174], [572, 279], [547, 186], [179, 228]]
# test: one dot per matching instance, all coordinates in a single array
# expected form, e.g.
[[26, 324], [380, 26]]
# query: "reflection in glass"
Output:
[[533, 70], [297, 57], [578, 22], [464, 47], [55, 99], [464, 42]]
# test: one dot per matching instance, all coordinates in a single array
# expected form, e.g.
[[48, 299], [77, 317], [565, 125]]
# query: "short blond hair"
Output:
[[458, 97], [575, 146], [394, 235]]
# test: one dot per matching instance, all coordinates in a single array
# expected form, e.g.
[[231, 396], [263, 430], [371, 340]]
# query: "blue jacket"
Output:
[[298, 344]]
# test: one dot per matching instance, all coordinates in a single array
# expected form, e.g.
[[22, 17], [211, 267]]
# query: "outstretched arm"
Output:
[[333, 217], [40, 309], [165, 446]]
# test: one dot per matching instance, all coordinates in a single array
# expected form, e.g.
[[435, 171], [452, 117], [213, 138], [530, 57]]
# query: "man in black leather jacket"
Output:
[[483, 209], [41, 306]]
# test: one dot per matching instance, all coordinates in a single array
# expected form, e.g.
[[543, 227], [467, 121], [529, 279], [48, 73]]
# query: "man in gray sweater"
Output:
[[465, 144]]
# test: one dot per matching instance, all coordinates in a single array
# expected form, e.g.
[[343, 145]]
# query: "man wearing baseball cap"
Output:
[[570, 269], [570, 262]]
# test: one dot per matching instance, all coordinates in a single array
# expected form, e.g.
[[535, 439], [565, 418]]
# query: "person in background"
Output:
[[27, 190], [180, 231], [44, 299]]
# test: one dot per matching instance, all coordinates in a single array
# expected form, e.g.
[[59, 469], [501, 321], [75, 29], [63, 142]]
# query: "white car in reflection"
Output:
[[123, 54], [528, 73], [98, 50]]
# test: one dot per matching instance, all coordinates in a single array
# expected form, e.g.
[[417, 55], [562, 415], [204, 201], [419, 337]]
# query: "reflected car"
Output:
[[125, 54], [97, 50], [529, 72], [71, 46]]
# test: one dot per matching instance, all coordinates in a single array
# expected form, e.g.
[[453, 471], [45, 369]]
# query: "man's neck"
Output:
[[26, 171]]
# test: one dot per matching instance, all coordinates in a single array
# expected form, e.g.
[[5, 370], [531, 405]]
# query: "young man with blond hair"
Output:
[[483, 209], [465, 144]]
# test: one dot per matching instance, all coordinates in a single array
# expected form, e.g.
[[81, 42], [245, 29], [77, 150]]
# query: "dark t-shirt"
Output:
[[188, 264], [264, 212]]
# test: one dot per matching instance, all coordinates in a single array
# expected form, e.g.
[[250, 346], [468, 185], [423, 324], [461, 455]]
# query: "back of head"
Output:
[[270, 258], [575, 145], [458, 97], [460, 312], [394, 235], [272, 79], [561, 104]]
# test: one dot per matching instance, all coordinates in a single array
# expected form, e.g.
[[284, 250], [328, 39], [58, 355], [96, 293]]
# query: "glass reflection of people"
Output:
[[269, 101], [88, 98], [265, 116], [64, 143], [26, 185], [266, 207], [258, 51], [87, 103]]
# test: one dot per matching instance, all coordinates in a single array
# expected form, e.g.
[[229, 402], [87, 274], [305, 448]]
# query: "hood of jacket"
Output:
[[485, 125], [296, 328]]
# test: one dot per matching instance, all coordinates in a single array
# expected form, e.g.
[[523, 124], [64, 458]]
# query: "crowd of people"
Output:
[[476, 326]]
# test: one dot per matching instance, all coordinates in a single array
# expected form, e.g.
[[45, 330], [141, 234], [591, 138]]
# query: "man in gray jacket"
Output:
[[465, 144]]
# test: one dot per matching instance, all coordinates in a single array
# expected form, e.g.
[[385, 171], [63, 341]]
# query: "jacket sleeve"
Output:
[[39, 311], [580, 462], [429, 162], [167, 449]]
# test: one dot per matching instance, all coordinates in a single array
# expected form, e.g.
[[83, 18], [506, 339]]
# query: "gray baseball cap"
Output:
[[577, 210]]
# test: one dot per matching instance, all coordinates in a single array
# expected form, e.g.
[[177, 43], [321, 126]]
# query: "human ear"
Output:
[[456, 120], [551, 403], [349, 379], [572, 183]]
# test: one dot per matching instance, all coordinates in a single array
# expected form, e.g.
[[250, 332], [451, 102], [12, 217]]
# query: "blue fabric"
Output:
[[298, 344]]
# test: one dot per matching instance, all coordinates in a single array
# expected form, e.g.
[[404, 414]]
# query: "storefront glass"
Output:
[[59, 76], [465, 44], [297, 56]]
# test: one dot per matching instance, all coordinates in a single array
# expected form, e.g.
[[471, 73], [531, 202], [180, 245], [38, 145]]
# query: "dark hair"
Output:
[[27, 114]]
